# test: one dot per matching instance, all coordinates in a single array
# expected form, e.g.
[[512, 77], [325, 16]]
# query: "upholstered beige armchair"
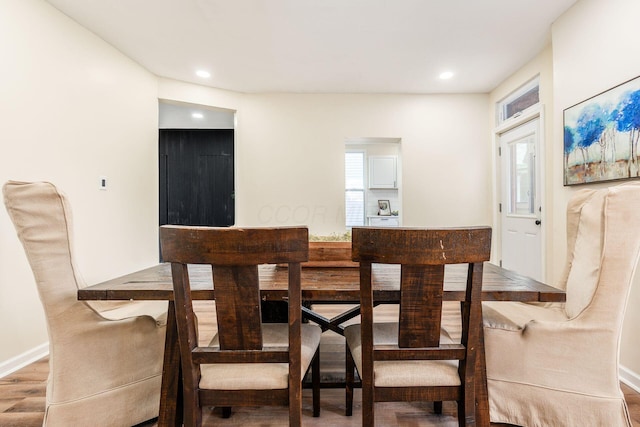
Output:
[[105, 360], [557, 364]]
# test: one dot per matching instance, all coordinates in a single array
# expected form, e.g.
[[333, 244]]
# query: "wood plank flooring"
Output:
[[22, 394]]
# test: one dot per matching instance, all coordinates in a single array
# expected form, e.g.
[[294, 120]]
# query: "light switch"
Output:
[[103, 182]]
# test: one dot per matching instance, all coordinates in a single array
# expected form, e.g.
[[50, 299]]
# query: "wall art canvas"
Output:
[[601, 136]]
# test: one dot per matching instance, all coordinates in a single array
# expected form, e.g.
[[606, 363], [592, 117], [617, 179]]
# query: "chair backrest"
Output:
[[574, 212], [234, 254], [422, 254], [604, 254], [42, 219]]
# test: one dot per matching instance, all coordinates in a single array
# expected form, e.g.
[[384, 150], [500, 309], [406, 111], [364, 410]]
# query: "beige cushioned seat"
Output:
[[105, 359], [402, 373], [261, 376], [557, 364]]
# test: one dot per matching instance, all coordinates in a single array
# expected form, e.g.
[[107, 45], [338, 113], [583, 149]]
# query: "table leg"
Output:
[[323, 322], [335, 323], [171, 390], [481, 391]]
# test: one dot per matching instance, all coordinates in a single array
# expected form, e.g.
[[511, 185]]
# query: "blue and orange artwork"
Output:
[[601, 136]]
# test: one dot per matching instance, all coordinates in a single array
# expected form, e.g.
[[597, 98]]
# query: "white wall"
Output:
[[72, 108], [290, 154], [595, 47], [295, 145]]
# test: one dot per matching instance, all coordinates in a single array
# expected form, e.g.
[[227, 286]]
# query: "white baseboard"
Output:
[[630, 378], [23, 359]]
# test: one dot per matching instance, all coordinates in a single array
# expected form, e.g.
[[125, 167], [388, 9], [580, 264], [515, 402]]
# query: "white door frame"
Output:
[[531, 114]]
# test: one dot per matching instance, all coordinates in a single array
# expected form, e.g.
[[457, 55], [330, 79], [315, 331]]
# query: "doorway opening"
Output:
[[521, 194], [373, 184], [196, 165]]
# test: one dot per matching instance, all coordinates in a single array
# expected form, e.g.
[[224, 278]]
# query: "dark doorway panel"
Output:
[[196, 177]]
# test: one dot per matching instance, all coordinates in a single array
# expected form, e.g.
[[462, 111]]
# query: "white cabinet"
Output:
[[384, 221], [382, 172]]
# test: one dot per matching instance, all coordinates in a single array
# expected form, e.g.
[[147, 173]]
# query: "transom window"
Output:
[[516, 103]]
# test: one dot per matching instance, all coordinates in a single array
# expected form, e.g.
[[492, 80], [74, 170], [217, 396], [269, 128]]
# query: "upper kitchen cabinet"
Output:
[[383, 172]]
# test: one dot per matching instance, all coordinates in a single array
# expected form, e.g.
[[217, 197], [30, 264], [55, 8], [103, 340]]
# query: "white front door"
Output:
[[521, 208]]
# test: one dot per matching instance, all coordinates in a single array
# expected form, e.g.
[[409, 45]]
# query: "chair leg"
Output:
[[315, 383], [467, 406], [437, 407], [226, 411], [463, 418], [368, 405], [192, 410], [295, 397], [349, 378], [191, 400]]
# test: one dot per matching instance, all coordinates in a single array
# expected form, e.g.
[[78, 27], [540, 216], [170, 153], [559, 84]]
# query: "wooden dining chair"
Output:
[[248, 362], [413, 359]]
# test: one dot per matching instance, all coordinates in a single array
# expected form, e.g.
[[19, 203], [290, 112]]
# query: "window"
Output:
[[354, 188], [522, 176], [513, 105]]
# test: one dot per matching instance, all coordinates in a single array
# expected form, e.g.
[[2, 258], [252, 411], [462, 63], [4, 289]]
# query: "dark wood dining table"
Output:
[[319, 286]]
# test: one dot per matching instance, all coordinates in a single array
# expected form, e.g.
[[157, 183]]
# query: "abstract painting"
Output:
[[601, 136]]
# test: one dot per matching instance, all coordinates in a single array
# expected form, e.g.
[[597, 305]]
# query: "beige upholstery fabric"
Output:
[[585, 265], [264, 376], [574, 210], [514, 316], [412, 373], [557, 365], [102, 371]]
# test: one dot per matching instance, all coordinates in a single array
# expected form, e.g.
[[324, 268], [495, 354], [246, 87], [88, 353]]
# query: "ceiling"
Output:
[[326, 46]]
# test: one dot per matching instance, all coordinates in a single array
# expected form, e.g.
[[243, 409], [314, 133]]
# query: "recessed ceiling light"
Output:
[[446, 75], [204, 74], [197, 115]]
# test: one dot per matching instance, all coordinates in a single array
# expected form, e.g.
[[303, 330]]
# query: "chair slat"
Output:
[[422, 246], [234, 246], [241, 397], [202, 355], [421, 289], [443, 352], [238, 307], [416, 394]]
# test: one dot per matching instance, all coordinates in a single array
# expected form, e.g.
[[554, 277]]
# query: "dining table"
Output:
[[320, 285]]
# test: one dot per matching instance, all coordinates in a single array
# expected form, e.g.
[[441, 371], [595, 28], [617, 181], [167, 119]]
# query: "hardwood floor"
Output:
[[22, 394]]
